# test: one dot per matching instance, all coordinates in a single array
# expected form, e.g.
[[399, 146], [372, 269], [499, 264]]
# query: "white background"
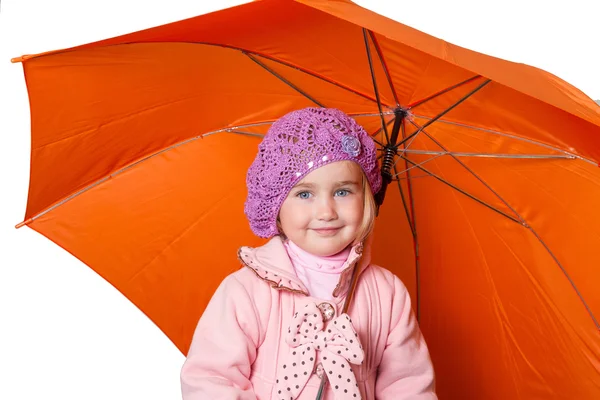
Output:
[[67, 334]]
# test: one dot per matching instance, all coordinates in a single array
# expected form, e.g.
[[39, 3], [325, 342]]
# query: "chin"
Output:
[[326, 249]]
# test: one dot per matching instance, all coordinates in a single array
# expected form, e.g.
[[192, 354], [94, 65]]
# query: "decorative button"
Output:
[[359, 248], [327, 311], [350, 145], [319, 370]]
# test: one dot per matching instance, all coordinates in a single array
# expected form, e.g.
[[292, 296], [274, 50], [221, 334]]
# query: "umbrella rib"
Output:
[[408, 216], [413, 226], [374, 79], [413, 229], [61, 202], [233, 129], [385, 67], [238, 132], [441, 92], [412, 177], [370, 114], [439, 144], [566, 274], [290, 65], [269, 122], [284, 80], [405, 147], [377, 141], [547, 146], [379, 130], [446, 111], [109, 176], [416, 165], [492, 155], [525, 224], [439, 178]]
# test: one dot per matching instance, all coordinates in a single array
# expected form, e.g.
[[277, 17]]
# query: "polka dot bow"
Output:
[[338, 344]]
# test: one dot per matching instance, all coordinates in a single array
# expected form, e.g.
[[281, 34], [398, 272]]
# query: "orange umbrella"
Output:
[[140, 146]]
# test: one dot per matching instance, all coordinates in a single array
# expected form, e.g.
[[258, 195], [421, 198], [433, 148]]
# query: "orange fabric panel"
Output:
[[93, 114]]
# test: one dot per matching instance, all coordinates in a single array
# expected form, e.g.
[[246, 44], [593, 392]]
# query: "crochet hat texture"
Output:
[[296, 144]]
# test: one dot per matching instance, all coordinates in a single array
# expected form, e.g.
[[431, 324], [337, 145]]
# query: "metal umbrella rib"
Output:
[[446, 111], [493, 155], [521, 220], [290, 65], [374, 80], [453, 186], [384, 65], [441, 92], [284, 80], [511, 136]]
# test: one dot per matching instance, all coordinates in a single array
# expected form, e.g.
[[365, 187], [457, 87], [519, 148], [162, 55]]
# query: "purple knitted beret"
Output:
[[296, 144]]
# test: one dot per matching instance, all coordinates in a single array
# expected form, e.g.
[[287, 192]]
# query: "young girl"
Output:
[[276, 326]]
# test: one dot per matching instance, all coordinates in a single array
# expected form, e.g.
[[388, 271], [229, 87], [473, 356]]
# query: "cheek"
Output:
[[355, 211], [291, 214]]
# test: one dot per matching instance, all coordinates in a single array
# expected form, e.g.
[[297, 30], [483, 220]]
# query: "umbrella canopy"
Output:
[[140, 145]]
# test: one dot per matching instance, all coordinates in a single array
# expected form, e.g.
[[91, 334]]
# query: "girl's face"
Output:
[[324, 211]]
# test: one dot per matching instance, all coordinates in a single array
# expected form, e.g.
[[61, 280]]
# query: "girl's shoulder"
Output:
[[256, 284], [384, 279], [244, 279]]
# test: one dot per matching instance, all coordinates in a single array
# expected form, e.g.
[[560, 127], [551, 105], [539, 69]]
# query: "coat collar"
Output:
[[272, 264]]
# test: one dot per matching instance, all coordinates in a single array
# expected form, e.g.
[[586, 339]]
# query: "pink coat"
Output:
[[239, 348]]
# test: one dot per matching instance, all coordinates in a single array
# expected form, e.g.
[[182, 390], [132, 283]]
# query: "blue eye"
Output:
[[342, 192], [303, 195]]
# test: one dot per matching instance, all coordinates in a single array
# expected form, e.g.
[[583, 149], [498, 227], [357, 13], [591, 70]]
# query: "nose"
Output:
[[326, 209]]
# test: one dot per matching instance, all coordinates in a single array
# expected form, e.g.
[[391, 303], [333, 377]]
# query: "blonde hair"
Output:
[[369, 213]]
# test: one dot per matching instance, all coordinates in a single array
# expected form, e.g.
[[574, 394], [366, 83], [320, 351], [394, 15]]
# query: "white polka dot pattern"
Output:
[[338, 344]]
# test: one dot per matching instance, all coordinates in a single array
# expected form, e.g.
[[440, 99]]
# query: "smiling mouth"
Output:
[[327, 231]]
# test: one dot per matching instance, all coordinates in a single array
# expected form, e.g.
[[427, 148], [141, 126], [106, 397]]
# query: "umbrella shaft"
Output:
[[321, 387]]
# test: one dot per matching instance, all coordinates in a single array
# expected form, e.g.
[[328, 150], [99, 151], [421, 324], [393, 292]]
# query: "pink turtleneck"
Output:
[[320, 275]]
